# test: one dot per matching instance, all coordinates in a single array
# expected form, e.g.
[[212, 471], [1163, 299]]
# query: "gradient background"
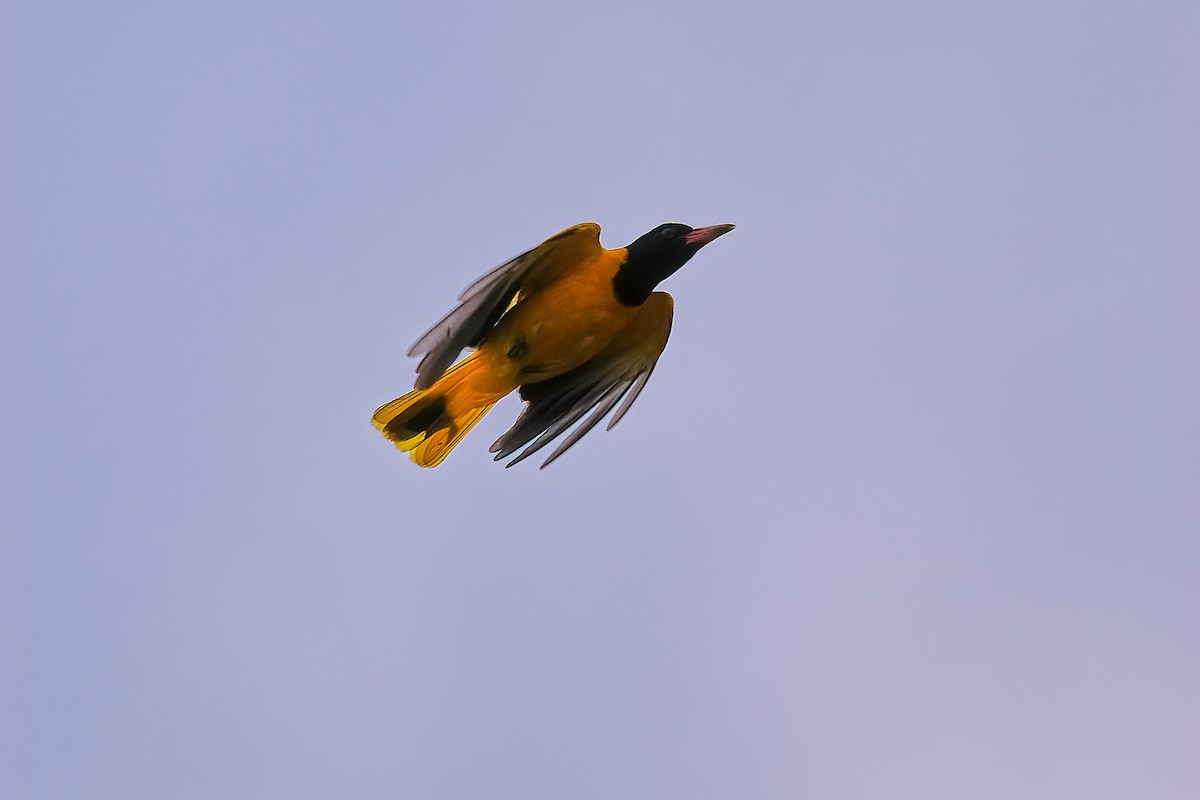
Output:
[[909, 510]]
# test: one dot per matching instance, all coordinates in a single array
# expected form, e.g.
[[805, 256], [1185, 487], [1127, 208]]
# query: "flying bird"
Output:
[[570, 324]]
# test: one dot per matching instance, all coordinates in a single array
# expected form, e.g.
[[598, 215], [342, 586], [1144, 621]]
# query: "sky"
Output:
[[908, 510]]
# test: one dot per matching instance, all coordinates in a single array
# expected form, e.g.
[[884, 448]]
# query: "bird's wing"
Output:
[[482, 303], [619, 372]]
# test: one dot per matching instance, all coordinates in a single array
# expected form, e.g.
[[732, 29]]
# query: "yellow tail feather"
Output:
[[428, 423]]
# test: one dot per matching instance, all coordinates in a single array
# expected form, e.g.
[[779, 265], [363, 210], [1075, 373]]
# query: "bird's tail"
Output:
[[428, 423]]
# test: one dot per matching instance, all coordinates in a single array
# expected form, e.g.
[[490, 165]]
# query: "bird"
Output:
[[571, 325]]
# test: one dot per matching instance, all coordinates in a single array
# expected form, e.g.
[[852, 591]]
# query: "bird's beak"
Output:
[[702, 236]]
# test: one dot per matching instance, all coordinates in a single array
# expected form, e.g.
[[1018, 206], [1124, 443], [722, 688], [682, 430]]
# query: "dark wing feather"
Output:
[[469, 322], [483, 302], [617, 373], [578, 392], [634, 391]]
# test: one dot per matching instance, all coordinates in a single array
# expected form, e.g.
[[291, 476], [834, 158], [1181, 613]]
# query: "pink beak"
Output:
[[702, 236]]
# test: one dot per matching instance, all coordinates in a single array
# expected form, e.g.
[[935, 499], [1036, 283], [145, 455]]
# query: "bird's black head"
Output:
[[657, 255]]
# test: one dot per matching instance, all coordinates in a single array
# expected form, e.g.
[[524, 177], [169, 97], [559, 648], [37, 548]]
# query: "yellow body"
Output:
[[560, 320], [561, 326]]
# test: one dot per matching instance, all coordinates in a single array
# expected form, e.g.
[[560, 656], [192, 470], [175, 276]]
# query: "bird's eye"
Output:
[[668, 233]]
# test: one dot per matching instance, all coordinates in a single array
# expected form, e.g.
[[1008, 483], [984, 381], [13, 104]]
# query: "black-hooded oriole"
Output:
[[573, 325]]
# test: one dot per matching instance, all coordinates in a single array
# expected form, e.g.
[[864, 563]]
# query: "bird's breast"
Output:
[[560, 327]]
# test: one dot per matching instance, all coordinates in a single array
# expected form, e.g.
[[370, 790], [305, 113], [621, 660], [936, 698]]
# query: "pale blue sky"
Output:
[[909, 509]]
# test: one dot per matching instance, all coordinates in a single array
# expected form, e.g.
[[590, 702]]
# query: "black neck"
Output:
[[646, 265]]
